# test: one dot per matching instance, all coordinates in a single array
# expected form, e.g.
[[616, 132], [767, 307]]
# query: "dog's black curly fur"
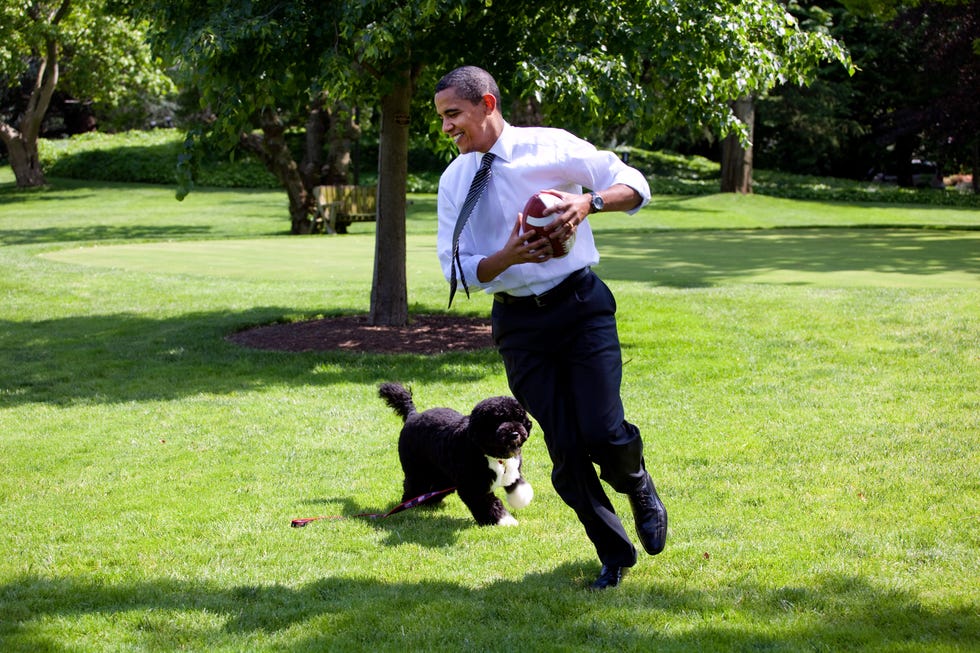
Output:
[[441, 448]]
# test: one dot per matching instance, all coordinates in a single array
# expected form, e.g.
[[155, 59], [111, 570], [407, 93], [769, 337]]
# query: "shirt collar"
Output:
[[504, 146]]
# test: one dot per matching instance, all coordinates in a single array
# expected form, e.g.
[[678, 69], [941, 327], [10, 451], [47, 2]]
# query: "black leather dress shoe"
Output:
[[650, 516], [608, 577]]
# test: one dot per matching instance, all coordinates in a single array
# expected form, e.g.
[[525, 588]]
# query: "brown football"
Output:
[[534, 220]]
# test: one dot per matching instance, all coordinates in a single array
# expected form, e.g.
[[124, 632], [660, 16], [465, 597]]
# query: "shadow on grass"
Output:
[[550, 610], [133, 212], [43, 235], [60, 189], [38, 232], [707, 258], [125, 357], [432, 530]]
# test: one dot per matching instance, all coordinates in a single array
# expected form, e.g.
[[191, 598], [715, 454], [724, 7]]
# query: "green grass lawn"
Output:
[[806, 376]]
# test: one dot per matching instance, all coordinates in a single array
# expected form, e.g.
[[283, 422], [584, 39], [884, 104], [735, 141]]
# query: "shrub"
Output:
[[674, 174], [148, 157]]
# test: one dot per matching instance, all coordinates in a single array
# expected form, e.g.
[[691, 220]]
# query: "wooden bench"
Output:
[[339, 205]]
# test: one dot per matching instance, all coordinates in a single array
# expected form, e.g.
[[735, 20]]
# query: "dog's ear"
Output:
[[475, 422]]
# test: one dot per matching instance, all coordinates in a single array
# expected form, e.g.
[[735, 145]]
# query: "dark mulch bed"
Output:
[[425, 334]]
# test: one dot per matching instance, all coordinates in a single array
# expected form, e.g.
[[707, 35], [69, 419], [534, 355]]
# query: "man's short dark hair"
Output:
[[471, 83]]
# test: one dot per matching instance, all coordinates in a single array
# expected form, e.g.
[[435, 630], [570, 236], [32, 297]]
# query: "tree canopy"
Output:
[[915, 95], [655, 66], [603, 66], [77, 46]]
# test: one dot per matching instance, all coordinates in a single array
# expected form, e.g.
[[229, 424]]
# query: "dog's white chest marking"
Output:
[[506, 470]]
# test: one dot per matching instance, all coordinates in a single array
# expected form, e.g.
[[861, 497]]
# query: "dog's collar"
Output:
[[501, 461]]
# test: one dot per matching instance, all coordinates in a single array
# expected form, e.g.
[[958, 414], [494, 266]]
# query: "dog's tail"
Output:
[[398, 397]]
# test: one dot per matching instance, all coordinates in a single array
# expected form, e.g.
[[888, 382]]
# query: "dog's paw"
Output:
[[507, 520], [520, 496]]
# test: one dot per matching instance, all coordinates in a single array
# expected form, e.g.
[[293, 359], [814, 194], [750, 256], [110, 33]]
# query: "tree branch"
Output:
[[44, 85], [58, 14]]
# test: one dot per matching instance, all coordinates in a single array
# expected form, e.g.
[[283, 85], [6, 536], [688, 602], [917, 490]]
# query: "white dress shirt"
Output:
[[529, 159]]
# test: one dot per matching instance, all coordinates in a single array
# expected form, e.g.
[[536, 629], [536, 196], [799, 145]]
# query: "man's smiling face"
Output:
[[469, 124]]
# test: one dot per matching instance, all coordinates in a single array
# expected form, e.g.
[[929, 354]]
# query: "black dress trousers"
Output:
[[564, 364]]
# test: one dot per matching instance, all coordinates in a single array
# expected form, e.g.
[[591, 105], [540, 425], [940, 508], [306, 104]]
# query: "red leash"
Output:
[[411, 503]]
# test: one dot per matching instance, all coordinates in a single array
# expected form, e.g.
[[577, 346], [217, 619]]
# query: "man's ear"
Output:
[[490, 102]]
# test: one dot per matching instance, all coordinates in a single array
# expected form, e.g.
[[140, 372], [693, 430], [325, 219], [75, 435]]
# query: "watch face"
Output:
[[597, 202]]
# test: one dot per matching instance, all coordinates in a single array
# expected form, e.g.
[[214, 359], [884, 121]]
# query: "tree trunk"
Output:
[[903, 152], [316, 127], [24, 159], [332, 126], [22, 143], [736, 159], [389, 293], [342, 135], [976, 167], [271, 147]]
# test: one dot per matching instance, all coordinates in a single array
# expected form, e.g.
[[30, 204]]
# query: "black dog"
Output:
[[441, 449]]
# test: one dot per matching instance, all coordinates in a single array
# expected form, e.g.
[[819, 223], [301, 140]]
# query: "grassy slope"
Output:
[[808, 398]]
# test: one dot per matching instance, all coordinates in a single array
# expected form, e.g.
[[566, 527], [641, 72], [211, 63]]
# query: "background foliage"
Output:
[[914, 95], [105, 63], [149, 157]]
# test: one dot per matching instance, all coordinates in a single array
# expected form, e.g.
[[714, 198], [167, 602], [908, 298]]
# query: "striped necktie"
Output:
[[479, 184]]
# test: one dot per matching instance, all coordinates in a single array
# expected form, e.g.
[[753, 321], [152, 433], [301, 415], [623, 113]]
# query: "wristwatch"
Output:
[[597, 203]]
